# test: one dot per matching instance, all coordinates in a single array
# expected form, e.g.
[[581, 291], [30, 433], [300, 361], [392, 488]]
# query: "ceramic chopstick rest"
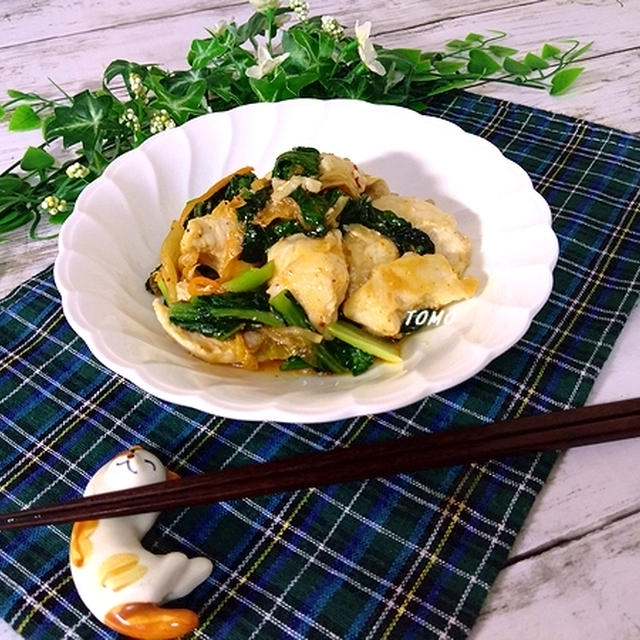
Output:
[[119, 581]]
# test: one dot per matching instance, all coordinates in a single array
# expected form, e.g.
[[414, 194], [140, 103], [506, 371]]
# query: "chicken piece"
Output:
[[231, 351], [438, 225], [410, 282], [214, 240], [247, 349], [364, 249], [314, 270]]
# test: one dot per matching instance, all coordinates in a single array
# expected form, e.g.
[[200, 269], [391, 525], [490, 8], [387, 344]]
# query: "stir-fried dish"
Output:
[[315, 266]]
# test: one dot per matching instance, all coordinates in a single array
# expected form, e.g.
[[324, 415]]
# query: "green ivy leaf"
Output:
[[412, 56], [203, 52], [457, 44], [179, 105], [502, 52], [59, 218], [515, 67], [474, 37], [11, 184], [563, 79], [448, 67], [16, 217], [549, 51], [122, 68], [35, 159], [181, 81], [82, 122], [299, 45], [255, 26], [24, 118], [272, 87], [576, 53], [534, 62], [21, 95], [481, 63]]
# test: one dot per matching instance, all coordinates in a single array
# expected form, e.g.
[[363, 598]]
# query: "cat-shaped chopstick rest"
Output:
[[119, 581]]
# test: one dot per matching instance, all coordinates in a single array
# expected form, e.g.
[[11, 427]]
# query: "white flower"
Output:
[[266, 63], [161, 120], [300, 8], [332, 27], [137, 88], [264, 5], [53, 205], [77, 170], [130, 119], [366, 50], [220, 29]]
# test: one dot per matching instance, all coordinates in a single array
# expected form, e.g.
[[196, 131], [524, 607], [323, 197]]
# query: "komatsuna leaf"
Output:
[[24, 118], [82, 122], [35, 159], [563, 79]]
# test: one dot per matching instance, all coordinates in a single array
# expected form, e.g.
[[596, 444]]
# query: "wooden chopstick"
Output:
[[545, 432]]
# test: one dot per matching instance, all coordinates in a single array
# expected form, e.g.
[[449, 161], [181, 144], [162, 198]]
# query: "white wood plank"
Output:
[[26, 22], [583, 590]]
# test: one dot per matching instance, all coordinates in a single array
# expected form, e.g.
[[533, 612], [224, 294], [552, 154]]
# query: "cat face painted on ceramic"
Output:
[[132, 468], [119, 581]]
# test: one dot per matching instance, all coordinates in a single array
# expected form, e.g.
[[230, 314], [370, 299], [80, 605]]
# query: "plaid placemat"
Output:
[[408, 557]]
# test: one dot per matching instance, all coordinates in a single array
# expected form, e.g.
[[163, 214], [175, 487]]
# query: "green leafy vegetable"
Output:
[[254, 202], [290, 310], [360, 339], [400, 231], [313, 207], [221, 315], [352, 358], [334, 356], [300, 161], [250, 279]]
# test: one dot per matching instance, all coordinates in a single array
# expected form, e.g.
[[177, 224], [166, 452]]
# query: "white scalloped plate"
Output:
[[111, 242]]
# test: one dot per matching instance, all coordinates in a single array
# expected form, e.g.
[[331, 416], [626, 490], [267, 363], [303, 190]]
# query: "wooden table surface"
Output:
[[575, 569]]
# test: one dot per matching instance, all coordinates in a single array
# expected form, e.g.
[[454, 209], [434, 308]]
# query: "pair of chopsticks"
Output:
[[546, 432]]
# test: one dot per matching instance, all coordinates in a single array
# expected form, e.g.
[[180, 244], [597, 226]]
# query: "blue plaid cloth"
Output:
[[412, 556]]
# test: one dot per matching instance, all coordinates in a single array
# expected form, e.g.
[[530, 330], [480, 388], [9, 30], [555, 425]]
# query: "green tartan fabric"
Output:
[[412, 556]]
